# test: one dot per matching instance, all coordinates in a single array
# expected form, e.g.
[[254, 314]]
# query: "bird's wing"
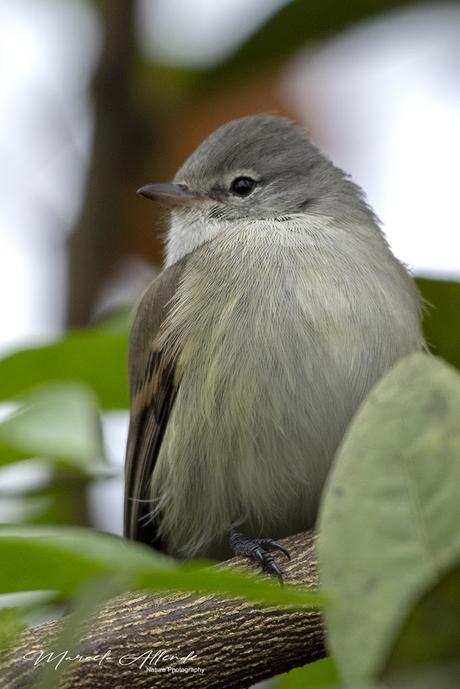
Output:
[[153, 391]]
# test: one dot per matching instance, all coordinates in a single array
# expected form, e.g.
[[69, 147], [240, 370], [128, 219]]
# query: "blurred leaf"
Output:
[[24, 508], [198, 577], [64, 558], [64, 499], [390, 520], [11, 625], [431, 633], [292, 28], [441, 321], [319, 675], [117, 320], [443, 676], [57, 421], [68, 640], [96, 357]]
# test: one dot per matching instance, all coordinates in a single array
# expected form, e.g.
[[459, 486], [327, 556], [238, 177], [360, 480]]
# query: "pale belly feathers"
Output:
[[278, 341]]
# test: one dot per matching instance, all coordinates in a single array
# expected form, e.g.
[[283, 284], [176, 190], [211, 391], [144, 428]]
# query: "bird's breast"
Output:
[[277, 336]]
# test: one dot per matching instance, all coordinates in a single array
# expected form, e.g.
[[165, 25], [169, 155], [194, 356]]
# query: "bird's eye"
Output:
[[242, 186]]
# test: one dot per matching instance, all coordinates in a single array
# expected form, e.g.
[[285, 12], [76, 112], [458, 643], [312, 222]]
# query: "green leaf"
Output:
[[431, 633], [200, 577], [96, 357], [443, 676], [56, 421], [291, 28], [11, 625], [64, 558], [319, 675], [80, 609], [441, 322], [390, 519]]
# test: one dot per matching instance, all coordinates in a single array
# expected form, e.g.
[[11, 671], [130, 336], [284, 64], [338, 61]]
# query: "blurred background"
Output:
[[99, 98]]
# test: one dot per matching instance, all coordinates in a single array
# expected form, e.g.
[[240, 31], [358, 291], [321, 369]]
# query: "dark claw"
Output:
[[268, 563], [270, 544], [257, 549]]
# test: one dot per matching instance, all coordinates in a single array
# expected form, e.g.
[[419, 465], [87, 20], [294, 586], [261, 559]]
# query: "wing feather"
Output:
[[153, 391]]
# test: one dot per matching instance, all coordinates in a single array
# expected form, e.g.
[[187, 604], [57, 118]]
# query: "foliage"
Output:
[[58, 421], [390, 525], [319, 675], [288, 30], [11, 625], [95, 356], [293, 26], [441, 317], [389, 531], [62, 559]]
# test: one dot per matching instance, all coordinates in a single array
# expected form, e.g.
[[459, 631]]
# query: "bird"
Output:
[[279, 305]]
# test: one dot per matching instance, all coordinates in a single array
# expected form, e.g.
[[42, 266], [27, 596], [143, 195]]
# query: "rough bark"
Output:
[[235, 642]]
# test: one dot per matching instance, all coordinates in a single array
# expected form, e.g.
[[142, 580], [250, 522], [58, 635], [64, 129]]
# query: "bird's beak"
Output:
[[171, 194]]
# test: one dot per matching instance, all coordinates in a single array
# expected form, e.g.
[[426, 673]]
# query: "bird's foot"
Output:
[[258, 549]]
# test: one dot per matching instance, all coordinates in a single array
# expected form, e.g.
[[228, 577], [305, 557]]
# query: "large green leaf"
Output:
[[64, 558], [390, 520], [319, 675], [96, 357], [441, 321], [56, 421], [431, 633]]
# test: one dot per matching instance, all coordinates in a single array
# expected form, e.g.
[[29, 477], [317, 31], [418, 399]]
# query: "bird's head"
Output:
[[256, 167]]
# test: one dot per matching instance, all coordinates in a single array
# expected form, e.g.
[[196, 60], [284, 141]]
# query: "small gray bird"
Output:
[[279, 306]]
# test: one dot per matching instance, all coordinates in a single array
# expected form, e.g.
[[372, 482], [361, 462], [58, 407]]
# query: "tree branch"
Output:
[[235, 642], [93, 244]]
